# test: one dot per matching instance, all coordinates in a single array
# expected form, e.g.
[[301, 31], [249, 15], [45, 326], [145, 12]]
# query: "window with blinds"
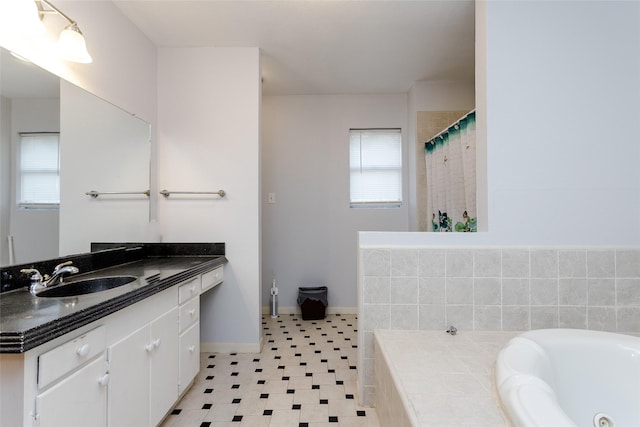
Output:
[[375, 162], [39, 170]]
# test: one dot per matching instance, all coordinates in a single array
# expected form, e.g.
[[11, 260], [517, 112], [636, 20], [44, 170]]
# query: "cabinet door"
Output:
[[189, 356], [164, 365], [79, 400], [129, 385]]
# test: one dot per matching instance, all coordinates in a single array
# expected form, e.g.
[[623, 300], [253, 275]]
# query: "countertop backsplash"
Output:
[[104, 255]]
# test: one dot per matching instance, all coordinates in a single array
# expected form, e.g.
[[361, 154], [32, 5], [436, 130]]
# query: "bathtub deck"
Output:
[[429, 378]]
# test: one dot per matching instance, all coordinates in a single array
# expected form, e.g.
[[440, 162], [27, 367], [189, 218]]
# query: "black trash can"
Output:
[[313, 302]]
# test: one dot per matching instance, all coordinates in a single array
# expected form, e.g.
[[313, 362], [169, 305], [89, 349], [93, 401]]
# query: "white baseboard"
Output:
[[296, 310], [230, 347]]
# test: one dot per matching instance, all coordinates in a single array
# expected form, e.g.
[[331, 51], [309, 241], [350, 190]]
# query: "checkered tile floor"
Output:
[[305, 376]]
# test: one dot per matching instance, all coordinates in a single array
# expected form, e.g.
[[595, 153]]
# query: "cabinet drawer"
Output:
[[189, 289], [80, 400], [212, 278], [189, 313], [66, 357], [189, 357]]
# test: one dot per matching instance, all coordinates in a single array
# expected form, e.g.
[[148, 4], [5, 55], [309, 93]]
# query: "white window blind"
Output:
[[375, 161], [39, 170]]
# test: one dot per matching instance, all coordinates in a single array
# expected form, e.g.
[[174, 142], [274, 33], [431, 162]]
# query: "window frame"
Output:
[[399, 170], [21, 173]]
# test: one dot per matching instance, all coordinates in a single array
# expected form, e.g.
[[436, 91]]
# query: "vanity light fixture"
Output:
[[71, 43], [19, 18], [21, 21]]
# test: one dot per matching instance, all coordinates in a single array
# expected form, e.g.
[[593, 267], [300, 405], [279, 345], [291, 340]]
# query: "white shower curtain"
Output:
[[451, 177]]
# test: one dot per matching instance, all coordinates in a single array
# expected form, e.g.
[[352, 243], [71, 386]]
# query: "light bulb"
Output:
[[72, 46]]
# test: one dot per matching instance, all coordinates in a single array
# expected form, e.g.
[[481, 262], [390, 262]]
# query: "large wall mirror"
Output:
[[101, 148]]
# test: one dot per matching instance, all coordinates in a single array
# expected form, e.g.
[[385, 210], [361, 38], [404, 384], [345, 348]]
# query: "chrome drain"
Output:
[[603, 420]]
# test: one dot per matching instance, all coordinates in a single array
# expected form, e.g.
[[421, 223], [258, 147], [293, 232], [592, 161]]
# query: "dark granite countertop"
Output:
[[27, 321]]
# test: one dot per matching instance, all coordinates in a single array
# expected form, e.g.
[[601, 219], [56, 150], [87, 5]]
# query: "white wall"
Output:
[[209, 139], [562, 106], [431, 96], [561, 152], [309, 234], [35, 231]]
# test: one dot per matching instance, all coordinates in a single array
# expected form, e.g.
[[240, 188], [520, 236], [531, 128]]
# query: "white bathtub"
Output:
[[570, 377]]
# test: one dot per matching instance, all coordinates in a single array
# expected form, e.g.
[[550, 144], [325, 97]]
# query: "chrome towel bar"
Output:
[[95, 194], [167, 193]]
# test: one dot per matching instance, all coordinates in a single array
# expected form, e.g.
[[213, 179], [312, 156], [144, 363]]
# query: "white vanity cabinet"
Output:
[[78, 401], [126, 369], [189, 339], [144, 373], [163, 384], [212, 278], [72, 383], [129, 361]]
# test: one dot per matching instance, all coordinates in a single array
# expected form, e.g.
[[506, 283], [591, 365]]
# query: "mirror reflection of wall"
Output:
[[5, 177], [110, 149], [30, 104], [102, 147]]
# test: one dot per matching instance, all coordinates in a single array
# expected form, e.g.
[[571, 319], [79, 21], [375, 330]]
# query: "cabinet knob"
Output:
[[192, 348], [83, 350], [192, 312], [156, 342], [193, 289], [149, 347], [103, 380]]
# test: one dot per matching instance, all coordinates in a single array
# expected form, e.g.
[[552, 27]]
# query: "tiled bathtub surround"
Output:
[[490, 288], [451, 387]]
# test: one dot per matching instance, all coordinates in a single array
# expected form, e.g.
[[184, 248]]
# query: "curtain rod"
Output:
[[445, 130]]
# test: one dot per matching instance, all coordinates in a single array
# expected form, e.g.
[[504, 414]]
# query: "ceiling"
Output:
[[324, 46]]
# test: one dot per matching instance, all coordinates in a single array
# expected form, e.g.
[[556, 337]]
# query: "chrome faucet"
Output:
[[452, 330], [38, 282], [59, 271]]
